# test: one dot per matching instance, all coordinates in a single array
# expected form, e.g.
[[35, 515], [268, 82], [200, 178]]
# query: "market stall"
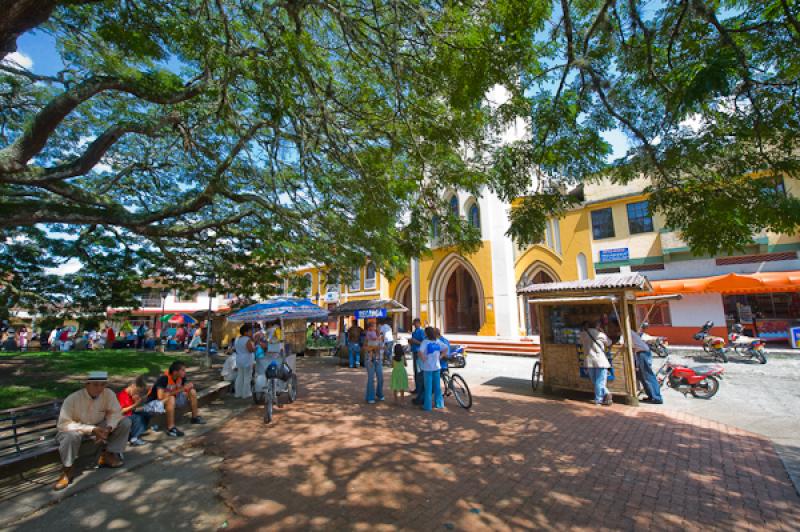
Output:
[[366, 310], [293, 314], [563, 307]]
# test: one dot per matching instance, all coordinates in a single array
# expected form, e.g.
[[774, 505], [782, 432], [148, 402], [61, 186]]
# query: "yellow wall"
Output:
[[575, 238], [639, 245], [481, 261]]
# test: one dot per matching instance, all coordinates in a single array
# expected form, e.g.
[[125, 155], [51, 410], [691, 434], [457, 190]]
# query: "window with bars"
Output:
[[355, 284], [655, 314], [370, 279], [602, 224], [639, 219]]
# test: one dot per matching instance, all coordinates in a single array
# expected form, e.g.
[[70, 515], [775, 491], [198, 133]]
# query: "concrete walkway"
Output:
[[169, 484], [515, 461]]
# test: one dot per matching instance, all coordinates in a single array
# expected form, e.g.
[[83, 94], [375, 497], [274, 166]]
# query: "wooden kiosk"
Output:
[[364, 309], [562, 307]]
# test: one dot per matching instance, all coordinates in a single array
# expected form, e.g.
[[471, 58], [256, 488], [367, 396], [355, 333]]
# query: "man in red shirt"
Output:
[[130, 399]]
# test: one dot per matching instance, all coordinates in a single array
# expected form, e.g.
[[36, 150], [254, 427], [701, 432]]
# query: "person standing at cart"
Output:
[[387, 340], [595, 342], [373, 358], [244, 349], [644, 364], [417, 337], [354, 344]]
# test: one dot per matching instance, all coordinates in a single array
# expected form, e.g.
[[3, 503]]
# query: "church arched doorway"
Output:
[[461, 303], [537, 274]]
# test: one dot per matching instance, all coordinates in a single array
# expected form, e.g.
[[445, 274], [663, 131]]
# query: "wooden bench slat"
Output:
[[27, 455], [37, 432], [28, 422]]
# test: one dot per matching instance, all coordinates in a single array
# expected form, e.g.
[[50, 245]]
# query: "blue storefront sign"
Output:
[[371, 313], [614, 255]]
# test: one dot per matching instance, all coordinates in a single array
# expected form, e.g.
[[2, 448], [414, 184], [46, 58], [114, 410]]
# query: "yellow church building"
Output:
[[610, 231]]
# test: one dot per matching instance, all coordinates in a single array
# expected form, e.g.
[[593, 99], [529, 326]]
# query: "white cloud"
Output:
[[102, 167], [19, 59], [71, 266]]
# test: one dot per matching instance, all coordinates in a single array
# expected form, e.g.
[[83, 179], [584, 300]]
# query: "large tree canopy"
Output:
[[705, 91], [243, 137]]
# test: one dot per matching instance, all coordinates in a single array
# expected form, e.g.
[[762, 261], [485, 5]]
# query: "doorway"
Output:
[[461, 303]]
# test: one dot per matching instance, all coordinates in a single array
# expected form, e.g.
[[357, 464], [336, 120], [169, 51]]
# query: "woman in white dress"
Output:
[[244, 349]]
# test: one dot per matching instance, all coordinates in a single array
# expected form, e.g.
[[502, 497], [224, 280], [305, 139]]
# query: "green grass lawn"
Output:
[[50, 375]]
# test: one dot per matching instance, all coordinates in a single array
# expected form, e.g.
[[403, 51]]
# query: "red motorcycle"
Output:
[[701, 381]]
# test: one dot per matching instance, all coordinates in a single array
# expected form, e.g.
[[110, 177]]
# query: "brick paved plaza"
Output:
[[514, 461]]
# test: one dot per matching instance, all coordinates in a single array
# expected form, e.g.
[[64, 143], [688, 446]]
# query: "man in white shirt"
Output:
[[91, 412], [644, 363], [387, 338]]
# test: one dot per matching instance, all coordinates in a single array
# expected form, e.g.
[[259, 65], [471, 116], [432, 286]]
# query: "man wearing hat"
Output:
[[91, 412]]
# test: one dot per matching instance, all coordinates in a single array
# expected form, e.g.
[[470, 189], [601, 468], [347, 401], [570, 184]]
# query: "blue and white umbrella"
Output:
[[284, 308]]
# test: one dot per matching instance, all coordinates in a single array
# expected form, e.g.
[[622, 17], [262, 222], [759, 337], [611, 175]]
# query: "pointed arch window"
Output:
[[454, 204], [583, 267], [435, 227], [475, 216]]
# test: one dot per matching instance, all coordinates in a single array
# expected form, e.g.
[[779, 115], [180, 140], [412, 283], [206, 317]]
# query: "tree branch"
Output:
[[13, 158], [96, 150]]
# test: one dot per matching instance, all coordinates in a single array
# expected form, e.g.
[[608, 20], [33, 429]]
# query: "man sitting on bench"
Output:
[[91, 412], [174, 390]]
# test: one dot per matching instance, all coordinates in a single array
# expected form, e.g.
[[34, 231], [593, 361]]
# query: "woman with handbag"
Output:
[[595, 342]]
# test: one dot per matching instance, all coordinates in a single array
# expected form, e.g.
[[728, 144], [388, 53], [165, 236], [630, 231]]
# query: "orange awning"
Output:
[[732, 283]]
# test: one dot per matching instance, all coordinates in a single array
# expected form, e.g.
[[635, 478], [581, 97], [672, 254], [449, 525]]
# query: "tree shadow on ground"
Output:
[[329, 461]]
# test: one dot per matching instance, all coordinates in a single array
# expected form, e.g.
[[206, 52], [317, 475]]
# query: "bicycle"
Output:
[[456, 386], [275, 374], [536, 375]]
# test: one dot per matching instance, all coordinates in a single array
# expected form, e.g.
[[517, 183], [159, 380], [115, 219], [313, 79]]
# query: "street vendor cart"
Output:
[[275, 373], [562, 307], [364, 310]]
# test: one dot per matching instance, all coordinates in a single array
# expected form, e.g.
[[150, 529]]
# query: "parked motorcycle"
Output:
[[713, 345], [658, 344], [746, 345], [701, 381], [457, 357]]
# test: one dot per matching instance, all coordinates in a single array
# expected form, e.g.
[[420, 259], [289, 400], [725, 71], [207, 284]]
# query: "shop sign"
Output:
[[614, 255], [331, 297], [773, 329], [371, 313], [795, 339]]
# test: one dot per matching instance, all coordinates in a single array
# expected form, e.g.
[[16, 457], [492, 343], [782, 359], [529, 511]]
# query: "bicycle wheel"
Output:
[[268, 404], [536, 375], [460, 390], [291, 393], [445, 385]]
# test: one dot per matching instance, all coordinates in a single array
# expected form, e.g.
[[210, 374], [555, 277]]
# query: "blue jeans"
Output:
[[354, 350], [139, 422], [374, 379], [651, 387], [598, 377], [433, 387]]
